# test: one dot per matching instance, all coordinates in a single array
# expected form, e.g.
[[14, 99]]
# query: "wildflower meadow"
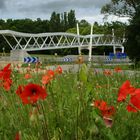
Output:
[[52, 104]]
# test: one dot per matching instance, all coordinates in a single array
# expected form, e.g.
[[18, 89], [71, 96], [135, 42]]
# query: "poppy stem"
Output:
[[45, 123], [77, 122], [132, 106]]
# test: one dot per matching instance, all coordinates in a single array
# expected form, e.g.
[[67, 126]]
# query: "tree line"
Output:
[[61, 22], [58, 22]]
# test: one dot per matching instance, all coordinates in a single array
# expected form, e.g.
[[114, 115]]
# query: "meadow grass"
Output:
[[68, 113]]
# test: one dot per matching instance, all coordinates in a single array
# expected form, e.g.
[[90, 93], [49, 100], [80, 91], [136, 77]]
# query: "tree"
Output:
[[83, 23], [71, 19], [65, 21], [55, 22], [133, 38], [125, 8]]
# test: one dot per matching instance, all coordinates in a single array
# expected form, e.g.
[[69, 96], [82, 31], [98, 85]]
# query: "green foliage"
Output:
[[71, 19], [59, 23], [133, 38], [83, 73], [55, 23], [67, 110], [121, 7]]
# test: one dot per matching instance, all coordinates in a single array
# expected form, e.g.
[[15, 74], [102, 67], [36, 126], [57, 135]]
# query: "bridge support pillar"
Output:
[[90, 44], [79, 50], [122, 49], [78, 33], [114, 49], [18, 55]]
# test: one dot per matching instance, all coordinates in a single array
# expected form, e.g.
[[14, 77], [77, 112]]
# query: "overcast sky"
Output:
[[84, 9]]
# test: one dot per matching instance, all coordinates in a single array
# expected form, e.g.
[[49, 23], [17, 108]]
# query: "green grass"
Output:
[[66, 113]]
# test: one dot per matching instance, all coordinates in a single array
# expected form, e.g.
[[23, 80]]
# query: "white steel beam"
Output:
[[27, 43], [61, 40], [18, 42], [8, 42]]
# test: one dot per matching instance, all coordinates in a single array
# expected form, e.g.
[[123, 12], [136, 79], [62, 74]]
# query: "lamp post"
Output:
[[55, 54], [3, 49]]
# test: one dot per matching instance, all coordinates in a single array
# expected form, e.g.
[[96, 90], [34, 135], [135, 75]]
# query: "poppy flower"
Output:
[[59, 70], [134, 105], [107, 72], [124, 90], [19, 90], [106, 110], [6, 72], [50, 73], [27, 76], [7, 84], [100, 104], [31, 93], [118, 69], [45, 79]]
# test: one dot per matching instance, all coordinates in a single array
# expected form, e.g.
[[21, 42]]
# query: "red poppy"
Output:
[[45, 79], [50, 73], [124, 90], [118, 69], [19, 90], [97, 103], [100, 104], [58, 70], [134, 105], [27, 76], [106, 110], [31, 93], [6, 72], [7, 84], [107, 72]]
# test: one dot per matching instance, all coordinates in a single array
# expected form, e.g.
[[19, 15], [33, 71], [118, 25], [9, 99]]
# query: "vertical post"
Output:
[[3, 53], [122, 49], [123, 41], [78, 33], [123, 37], [113, 41], [90, 43]]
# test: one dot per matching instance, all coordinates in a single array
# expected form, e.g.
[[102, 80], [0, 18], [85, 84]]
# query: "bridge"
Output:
[[60, 40]]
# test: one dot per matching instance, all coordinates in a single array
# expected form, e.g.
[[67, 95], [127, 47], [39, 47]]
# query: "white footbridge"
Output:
[[60, 40]]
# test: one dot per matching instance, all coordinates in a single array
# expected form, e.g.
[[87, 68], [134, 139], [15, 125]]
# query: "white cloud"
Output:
[[84, 9]]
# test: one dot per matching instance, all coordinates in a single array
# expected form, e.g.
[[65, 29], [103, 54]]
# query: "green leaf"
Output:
[[83, 73]]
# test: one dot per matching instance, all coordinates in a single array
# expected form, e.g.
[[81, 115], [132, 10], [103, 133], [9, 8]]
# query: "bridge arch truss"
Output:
[[59, 40]]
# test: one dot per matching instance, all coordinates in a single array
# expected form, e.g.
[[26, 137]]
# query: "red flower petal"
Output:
[[134, 105], [124, 90], [59, 70], [32, 92]]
